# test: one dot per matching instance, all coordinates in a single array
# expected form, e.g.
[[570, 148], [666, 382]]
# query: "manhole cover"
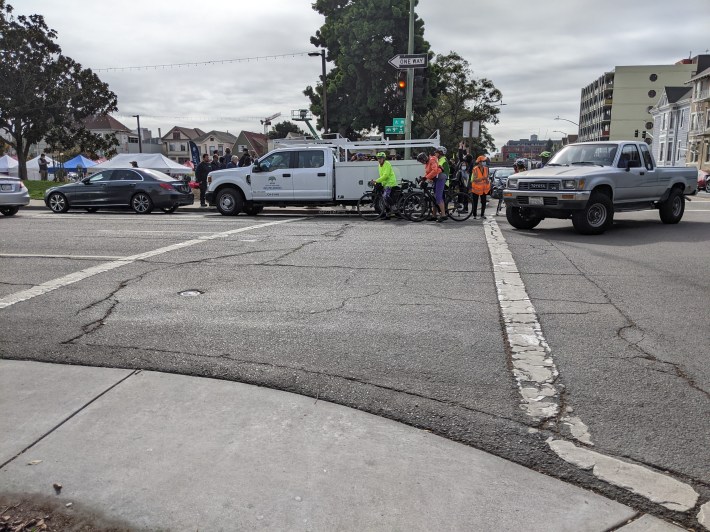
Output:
[[191, 293]]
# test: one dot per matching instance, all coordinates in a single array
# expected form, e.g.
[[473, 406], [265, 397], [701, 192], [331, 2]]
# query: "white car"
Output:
[[13, 195]]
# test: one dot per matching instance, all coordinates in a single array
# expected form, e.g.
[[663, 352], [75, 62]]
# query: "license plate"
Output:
[[6, 187], [536, 201]]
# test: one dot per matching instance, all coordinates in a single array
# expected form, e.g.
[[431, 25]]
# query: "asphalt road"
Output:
[[398, 319]]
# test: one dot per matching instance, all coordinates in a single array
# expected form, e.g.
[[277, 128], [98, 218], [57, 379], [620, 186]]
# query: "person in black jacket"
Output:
[[245, 160], [201, 172]]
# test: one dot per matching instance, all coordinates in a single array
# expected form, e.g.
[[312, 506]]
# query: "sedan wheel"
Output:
[[58, 202], [9, 211], [92, 209], [141, 203]]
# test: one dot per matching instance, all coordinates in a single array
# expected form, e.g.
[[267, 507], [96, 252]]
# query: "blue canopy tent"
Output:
[[72, 164]]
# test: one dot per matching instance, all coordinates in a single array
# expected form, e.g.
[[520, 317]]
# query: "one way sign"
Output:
[[409, 61]]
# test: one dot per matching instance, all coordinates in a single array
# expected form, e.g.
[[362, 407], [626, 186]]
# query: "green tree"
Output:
[[44, 94], [284, 128], [360, 36], [461, 97]]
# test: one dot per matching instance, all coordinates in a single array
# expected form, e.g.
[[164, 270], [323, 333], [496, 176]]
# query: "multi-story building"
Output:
[[523, 148], [670, 126], [699, 128], [176, 143], [618, 103]]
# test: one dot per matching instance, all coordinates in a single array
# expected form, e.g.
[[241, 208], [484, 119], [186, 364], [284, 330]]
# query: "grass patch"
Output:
[[37, 188]]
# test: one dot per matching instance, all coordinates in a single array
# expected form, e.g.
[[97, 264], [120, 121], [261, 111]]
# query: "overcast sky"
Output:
[[539, 54]]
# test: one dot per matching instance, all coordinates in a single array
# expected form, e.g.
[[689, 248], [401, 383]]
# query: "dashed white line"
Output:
[[536, 374], [75, 277]]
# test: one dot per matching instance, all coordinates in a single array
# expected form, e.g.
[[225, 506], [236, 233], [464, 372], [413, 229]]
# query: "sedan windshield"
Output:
[[582, 154]]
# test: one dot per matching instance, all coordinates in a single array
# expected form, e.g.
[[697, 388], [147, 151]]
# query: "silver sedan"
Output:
[[13, 195]]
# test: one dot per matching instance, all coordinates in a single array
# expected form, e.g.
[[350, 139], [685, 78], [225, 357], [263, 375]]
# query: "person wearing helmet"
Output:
[[520, 165], [480, 185], [544, 157], [435, 176], [387, 179]]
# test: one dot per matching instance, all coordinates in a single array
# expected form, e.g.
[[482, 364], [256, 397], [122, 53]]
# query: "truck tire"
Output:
[[522, 218], [596, 217], [253, 210], [672, 209], [229, 201]]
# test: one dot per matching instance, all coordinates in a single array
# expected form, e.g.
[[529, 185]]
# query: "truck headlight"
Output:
[[512, 182], [569, 184]]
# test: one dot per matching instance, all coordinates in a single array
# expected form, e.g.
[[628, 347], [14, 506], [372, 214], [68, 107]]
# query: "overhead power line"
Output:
[[199, 63]]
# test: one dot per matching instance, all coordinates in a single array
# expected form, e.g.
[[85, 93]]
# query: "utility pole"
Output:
[[140, 142], [410, 84]]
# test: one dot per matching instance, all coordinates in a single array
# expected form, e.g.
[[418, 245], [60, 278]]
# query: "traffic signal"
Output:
[[636, 133], [402, 84], [643, 134], [420, 86]]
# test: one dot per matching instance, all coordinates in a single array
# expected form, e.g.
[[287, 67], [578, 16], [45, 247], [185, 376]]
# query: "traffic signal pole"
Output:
[[410, 84]]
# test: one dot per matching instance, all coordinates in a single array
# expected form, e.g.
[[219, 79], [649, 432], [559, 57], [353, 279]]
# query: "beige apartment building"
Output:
[[617, 105]]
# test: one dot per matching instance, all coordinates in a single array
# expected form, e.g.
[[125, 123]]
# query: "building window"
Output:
[[176, 135], [661, 152], [132, 140], [651, 93], [653, 77], [707, 152], [663, 122], [171, 147], [681, 119], [182, 147], [669, 155], [678, 156]]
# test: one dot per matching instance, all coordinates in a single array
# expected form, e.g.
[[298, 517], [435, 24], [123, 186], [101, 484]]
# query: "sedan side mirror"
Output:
[[85, 180]]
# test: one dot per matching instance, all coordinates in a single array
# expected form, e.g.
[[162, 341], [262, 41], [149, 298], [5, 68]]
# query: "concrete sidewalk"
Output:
[[163, 451]]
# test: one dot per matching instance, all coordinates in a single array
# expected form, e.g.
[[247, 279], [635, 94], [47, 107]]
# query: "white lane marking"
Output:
[[656, 487], [75, 277], [536, 375], [132, 231], [41, 256]]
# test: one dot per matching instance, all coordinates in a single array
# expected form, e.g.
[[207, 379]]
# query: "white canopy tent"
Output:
[[9, 166], [151, 161]]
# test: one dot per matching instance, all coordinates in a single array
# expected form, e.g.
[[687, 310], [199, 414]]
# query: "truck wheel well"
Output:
[[229, 185], [604, 189]]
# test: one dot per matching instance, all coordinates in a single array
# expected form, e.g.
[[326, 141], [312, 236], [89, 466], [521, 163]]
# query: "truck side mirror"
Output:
[[256, 168]]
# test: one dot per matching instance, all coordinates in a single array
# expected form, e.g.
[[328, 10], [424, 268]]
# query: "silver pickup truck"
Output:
[[590, 181]]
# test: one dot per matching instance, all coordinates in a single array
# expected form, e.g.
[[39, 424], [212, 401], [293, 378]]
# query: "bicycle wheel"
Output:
[[416, 206], [369, 206], [459, 206]]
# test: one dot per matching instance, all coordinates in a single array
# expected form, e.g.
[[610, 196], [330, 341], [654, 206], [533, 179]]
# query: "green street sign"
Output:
[[398, 122], [394, 130]]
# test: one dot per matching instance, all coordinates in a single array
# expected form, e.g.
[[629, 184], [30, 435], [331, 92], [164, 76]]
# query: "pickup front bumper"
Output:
[[563, 201]]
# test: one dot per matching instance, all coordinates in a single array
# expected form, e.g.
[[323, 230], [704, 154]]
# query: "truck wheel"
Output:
[[253, 210], [229, 201], [596, 217], [522, 218], [672, 209]]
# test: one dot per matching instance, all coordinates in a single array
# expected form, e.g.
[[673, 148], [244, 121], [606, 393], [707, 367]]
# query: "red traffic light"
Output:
[[402, 83]]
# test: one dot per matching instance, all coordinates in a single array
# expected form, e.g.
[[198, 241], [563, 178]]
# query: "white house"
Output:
[[670, 126]]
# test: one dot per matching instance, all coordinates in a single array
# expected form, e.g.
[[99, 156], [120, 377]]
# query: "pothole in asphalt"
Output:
[[191, 293]]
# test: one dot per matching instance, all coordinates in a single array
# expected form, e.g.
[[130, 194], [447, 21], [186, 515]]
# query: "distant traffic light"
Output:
[[420, 85], [643, 134], [402, 84], [636, 133]]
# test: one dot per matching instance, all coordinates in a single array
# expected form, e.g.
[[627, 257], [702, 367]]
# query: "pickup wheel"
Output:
[[522, 218], [229, 201], [596, 217], [253, 210], [672, 209]]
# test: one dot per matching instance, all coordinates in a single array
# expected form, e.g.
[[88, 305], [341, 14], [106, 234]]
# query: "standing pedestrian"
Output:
[[480, 185], [201, 172], [215, 161], [245, 159], [436, 177], [43, 168]]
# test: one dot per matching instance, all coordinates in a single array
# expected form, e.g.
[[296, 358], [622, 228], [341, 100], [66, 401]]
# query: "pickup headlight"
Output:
[[572, 184], [512, 182]]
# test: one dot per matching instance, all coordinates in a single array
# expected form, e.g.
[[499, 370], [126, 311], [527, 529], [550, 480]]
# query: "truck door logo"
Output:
[[272, 179]]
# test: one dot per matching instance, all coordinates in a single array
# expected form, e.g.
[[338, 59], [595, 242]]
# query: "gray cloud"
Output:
[[539, 54]]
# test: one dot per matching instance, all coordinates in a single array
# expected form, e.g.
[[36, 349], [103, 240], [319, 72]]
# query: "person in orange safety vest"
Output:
[[480, 185]]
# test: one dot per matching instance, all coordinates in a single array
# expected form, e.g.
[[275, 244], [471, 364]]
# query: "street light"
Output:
[[140, 144], [325, 92], [558, 131], [575, 123]]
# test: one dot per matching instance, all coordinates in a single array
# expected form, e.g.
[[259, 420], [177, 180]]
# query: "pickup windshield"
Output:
[[581, 154]]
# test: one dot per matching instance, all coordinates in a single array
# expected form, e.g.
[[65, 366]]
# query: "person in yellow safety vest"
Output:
[[480, 185], [387, 179]]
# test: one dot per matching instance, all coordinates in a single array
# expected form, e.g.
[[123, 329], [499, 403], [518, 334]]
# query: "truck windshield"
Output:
[[580, 154]]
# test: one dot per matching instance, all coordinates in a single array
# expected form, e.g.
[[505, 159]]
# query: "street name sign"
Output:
[[394, 130], [404, 61], [398, 122]]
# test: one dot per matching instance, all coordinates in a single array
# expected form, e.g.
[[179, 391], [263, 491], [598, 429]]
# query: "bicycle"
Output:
[[371, 205], [456, 203]]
